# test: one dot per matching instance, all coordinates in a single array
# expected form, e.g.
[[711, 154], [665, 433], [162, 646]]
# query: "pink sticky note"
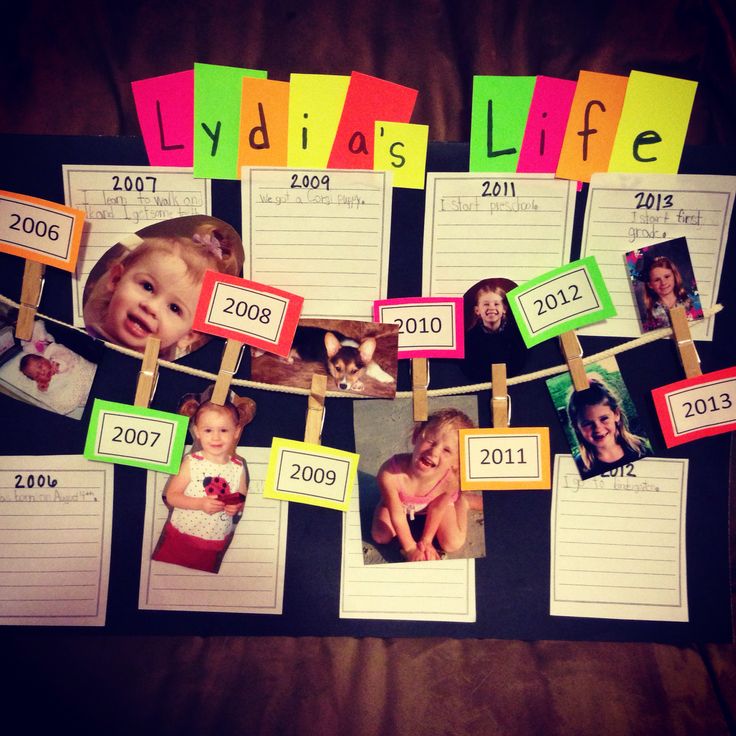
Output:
[[545, 125], [165, 107], [368, 99]]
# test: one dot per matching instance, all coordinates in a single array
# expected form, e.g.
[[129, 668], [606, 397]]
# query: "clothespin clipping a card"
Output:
[[148, 374], [229, 365], [315, 409], [573, 353], [500, 401], [684, 341], [30, 298], [419, 385]]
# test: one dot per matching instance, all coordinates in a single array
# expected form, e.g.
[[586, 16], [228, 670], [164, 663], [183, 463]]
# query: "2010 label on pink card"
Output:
[[697, 407], [252, 313], [429, 327]]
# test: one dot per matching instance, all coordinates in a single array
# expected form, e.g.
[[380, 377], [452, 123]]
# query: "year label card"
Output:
[[504, 459], [137, 436], [38, 230], [430, 327], [697, 407], [561, 300], [309, 473], [243, 310]]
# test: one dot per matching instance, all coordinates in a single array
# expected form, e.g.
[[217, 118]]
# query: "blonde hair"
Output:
[[489, 288], [440, 420], [650, 296]]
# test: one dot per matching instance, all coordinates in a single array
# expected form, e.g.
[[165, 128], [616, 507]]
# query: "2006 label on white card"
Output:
[[36, 228], [251, 312], [135, 437]]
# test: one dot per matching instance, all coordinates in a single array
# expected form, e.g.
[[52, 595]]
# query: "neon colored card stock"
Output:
[[402, 149]]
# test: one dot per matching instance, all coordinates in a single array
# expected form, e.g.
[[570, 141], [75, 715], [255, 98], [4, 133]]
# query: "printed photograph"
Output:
[[54, 370], [149, 285], [207, 496], [601, 423], [411, 505], [491, 334], [662, 277], [358, 357]]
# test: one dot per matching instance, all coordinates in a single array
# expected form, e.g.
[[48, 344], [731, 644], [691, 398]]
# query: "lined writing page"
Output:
[[117, 201], [476, 226], [628, 211], [251, 578], [618, 541], [55, 528], [442, 590], [323, 235]]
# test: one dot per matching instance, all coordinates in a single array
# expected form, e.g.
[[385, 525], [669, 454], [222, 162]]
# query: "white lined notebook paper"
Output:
[[120, 200], [474, 229], [251, 578], [328, 243], [55, 528], [618, 541]]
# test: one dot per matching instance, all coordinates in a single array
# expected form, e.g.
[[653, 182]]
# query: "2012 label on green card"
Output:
[[564, 299], [137, 436]]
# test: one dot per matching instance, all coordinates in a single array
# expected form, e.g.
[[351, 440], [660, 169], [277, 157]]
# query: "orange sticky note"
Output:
[[368, 99], [264, 123], [654, 120], [591, 126], [165, 107]]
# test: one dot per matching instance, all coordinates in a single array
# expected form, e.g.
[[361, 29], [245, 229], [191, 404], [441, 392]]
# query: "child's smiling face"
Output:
[[491, 310], [662, 281], [598, 426], [153, 297], [215, 429], [435, 451]]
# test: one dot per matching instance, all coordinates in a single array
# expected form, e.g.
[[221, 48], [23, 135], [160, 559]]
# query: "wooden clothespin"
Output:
[[684, 341], [500, 402], [315, 409], [148, 374], [573, 353], [229, 365], [419, 385], [30, 298]]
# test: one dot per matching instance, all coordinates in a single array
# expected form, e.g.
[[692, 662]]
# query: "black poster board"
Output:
[[512, 581]]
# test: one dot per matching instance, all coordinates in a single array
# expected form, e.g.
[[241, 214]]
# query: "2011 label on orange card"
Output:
[[39, 230], [252, 313], [697, 407]]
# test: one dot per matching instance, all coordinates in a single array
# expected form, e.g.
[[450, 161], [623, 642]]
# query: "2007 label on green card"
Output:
[[137, 436]]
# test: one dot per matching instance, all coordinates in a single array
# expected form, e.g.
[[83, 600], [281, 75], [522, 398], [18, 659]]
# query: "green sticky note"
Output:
[[561, 300], [653, 125], [498, 119], [137, 436], [217, 92]]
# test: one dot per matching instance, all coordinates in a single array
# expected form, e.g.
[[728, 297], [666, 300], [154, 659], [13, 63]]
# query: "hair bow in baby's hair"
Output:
[[211, 244]]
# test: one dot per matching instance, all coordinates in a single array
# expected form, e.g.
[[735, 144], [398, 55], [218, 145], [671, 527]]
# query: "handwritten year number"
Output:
[[625, 470], [35, 481], [310, 182], [649, 201], [133, 183], [498, 189]]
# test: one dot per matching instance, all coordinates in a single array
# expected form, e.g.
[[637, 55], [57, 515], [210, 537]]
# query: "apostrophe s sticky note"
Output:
[[402, 149]]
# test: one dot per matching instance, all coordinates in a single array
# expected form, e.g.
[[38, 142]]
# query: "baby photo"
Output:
[[491, 334], [662, 277], [149, 285], [600, 422], [53, 370], [207, 496], [411, 506], [357, 357]]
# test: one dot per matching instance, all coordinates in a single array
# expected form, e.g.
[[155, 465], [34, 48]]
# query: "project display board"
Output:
[[307, 564]]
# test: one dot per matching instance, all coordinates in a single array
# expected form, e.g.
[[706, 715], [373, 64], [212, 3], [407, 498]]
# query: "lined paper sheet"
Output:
[[618, 543], [329, 245], [618, 220], [470, 234], [117, 201], [251, 578], [442, 590], [55, 527]]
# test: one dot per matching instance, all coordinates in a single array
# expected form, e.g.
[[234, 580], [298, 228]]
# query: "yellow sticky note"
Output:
[[653, 125], [307, 473], [315, 107], [402, 149]]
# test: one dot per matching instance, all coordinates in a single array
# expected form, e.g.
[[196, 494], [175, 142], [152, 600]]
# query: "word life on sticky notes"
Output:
[[504, 459], [564, 299], [697, 407], [249, 312], [39, 230], [430, 327], [136, 435], [307, 473]]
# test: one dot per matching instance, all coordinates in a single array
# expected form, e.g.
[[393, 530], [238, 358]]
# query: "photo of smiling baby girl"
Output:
[[149, 286]]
